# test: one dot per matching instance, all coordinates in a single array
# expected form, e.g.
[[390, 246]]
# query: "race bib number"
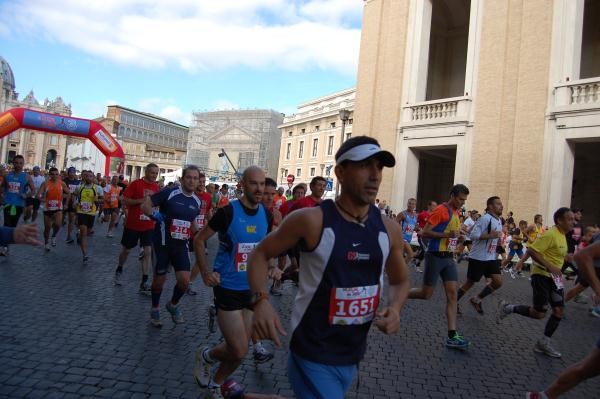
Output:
[[73, 187], [558, 281], [180, 229], [200, 221], [144, 217], [353, 306], [114, 198], [54, 205], [409, 229], [242, 253], [452, 243], [492, 247], [86, 206], [14, 187]]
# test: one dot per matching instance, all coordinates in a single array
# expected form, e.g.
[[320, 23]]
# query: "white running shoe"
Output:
[[202, 368]]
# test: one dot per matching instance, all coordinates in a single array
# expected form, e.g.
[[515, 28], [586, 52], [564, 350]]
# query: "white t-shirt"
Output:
[[469, 223], [37, 181], [485, 250]]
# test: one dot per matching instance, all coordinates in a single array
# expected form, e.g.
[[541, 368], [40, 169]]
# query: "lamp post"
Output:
[[224, 154], [344, 115]]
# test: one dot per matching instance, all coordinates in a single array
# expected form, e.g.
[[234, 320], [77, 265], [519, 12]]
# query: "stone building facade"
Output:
[[503, 96], [311, 136], [249, 137], [38, 148]]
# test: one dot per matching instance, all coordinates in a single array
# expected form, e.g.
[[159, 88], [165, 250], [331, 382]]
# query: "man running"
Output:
[[588, 261], [71, 202], [444, 232], [52, 193], [32, 203], [16, 184], [139, 228], [422, 219], [548, 253], [317, 189], [112, 194], [241, 225], [347, 245], [178, 208], [201, 220], [408, 221], [483, 257], [88, 194]]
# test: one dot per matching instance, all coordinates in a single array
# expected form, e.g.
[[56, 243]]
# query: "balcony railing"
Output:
[[578, 94], [446, 110]]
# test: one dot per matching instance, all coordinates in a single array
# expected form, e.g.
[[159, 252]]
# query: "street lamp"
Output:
[[224, 154], [344, 115]]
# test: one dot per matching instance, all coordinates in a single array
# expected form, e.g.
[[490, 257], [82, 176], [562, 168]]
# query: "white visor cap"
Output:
[[364, 151]]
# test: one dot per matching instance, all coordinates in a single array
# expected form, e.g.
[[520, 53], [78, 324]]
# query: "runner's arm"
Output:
[[539, 259], [429, 233], [65, 189], [585, 261], [38, 195], [31, 187], [211, 279]]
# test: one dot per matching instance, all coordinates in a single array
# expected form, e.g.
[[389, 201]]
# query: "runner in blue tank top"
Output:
[[241, 225], [16, 185], [345, 247]]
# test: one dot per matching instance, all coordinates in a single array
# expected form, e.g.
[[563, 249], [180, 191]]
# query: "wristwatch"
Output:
[[257, 297]]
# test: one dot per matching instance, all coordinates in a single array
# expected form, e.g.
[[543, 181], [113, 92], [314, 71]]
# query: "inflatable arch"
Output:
[[17, 118]]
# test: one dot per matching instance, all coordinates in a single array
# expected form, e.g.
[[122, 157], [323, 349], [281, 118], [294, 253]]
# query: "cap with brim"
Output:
[[364, 151], [71, 169], [36, 168]]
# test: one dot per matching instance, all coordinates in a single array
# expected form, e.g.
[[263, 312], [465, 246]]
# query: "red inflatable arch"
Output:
[[18, 118]]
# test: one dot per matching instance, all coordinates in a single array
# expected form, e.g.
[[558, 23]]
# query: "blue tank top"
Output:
[[340, 285], [408, 226], [16, 185], [236, 244]]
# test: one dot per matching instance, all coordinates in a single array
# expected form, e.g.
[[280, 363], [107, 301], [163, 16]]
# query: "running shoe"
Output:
[[190, 290], [232, 389], [202, 367], [47, 247], [145, 289], [109, 235], [419, 269], [502, 311], [535, 395], [175, 312], [512, 272], [595, 311], [69, 240], [580, 299], [53, 241], [457, 342], [155, 318], [85, 259], [544, 347], [117, 279], [261, 354], [476, 305], [458, 311], [213, 391], [141, 254]]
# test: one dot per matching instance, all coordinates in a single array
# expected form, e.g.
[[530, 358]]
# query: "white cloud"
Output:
[[165, 108], [198, 35]]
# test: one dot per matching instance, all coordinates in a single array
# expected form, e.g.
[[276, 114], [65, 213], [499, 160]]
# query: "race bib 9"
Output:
[[242, 253], [180, 229], [353, 306], [86, 206]]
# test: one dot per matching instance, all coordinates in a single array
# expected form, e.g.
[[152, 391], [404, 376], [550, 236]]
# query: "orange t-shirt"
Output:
[[111, 197], [54, 196]]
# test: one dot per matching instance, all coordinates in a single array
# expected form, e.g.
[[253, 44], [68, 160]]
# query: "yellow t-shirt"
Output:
[[552, 245]]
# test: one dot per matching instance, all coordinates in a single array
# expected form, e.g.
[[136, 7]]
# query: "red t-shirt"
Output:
[[422, 218], [136, 220], [305, 202], [205, 207]]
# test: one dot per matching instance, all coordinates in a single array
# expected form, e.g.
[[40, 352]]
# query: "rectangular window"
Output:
[[286, 172], [298, 172], [332, 125], [289, 134], [315, 147], [348, 135], [317, 128], [312, 172], [303, 131], [350, 121], [288, 151], [301, 149], [53, 140], [330, 145]]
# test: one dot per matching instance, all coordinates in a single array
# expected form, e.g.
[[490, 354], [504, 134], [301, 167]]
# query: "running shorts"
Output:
[[172, 254], [311, 380], [84, 219], [30, 201], [439, 265], [480, 268], [230, 300], [131, 238], [545, 292]]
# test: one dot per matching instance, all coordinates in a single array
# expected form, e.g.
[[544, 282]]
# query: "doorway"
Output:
[[436, 174]]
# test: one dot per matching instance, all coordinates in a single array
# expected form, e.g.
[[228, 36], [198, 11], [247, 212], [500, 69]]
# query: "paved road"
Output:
[[66, 331]]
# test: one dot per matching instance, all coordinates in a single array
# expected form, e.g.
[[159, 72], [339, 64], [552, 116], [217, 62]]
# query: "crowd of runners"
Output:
[[343, 255]]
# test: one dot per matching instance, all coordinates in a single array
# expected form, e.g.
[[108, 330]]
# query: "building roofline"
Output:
[[148, 114], [327, 97]]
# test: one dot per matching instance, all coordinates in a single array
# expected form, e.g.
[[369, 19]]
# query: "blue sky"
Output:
[[178, 56]]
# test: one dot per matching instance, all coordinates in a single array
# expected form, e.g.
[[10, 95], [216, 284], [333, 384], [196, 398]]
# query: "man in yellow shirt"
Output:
[[548, 253]]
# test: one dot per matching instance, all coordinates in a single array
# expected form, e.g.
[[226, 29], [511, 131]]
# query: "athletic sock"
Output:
[[177, 294], [156, 298], [119, 270], [144, 278], [485, 292], [551, 325]]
